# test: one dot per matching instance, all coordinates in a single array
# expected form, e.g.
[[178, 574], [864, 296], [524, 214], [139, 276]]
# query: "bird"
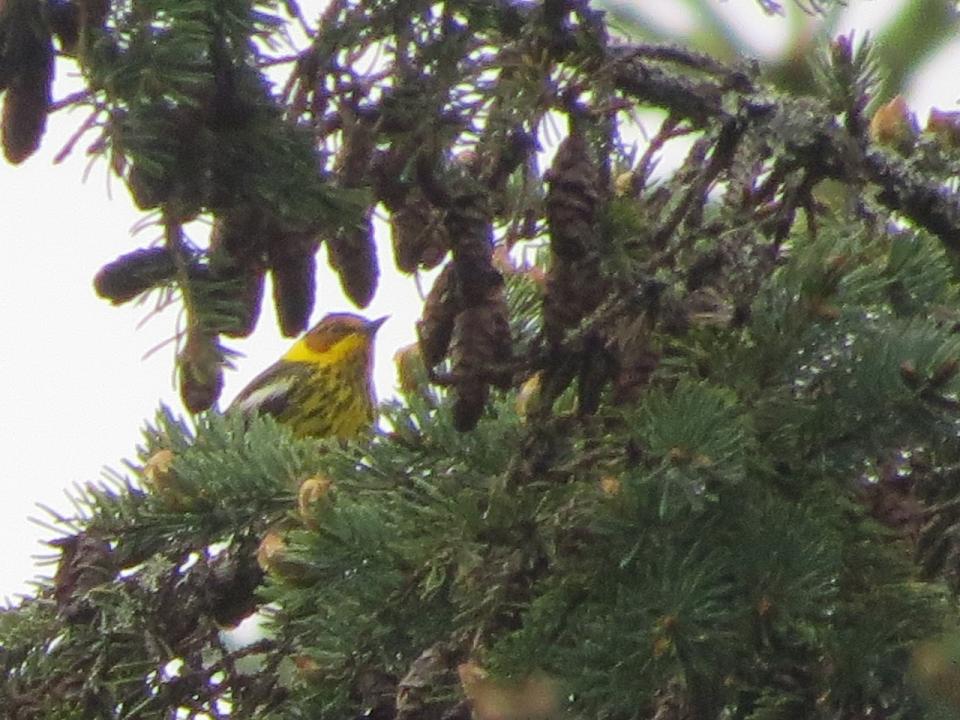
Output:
[[322, 387]]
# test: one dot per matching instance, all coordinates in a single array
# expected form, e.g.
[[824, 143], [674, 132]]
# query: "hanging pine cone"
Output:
[[291, 258], [572, 199], [352, 252], [356, 152], [435, 327], [28, 67], [636, 357], [134, 273], [236, 263], [201, 371], [240, 234], [573, 291], [471, 236], [387, 173], [419, 234], [250, 297], [467, 300], [479, 355]]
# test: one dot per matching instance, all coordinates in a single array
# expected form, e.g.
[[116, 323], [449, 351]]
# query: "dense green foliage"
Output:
[[699, 460], [712, 546]]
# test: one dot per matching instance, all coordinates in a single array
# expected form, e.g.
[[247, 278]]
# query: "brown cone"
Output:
[[293, 263], [479, 354], [201, 371], [435, 327], [419, 235], [572, 199], [352, 253], [353, 160], [236, 259], [28, 93], [134, 273], [573, 291]]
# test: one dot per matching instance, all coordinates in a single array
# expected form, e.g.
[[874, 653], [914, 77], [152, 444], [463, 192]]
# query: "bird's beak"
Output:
[[374, 325]]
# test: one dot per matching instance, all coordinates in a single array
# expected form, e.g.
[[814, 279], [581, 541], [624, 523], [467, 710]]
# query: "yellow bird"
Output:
[[323, 385]]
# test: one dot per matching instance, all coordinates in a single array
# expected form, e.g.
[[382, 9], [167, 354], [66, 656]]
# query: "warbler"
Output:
[[323, 386]]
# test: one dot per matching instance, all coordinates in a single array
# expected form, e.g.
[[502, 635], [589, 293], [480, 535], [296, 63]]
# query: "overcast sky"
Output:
[[75, 389]]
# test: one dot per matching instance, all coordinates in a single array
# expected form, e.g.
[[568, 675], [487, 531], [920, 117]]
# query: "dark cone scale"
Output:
[[28, 69]]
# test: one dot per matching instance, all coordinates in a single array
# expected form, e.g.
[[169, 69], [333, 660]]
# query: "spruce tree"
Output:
[[675, 444]]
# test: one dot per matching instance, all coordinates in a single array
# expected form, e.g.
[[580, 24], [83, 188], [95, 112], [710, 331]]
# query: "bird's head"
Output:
[[336, 338]]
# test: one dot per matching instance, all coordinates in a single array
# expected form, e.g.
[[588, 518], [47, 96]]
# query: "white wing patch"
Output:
[[264, 397]]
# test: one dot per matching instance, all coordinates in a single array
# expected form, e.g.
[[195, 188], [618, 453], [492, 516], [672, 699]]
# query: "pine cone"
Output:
[[236, 264], [419, 235], [236, 292], [28, 54], [239, 234], [387, 169], [435, 328], [596, 368], [573, 291], [572, 199], [352, 252], [433, 669], [471, 235], [292, 261], [356, 152], [134, 273], [479, 354], [201, 371]]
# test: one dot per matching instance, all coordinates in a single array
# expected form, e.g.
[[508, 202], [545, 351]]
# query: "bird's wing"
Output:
[[270, 392]]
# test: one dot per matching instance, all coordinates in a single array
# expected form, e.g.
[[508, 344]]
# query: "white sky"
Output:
[[75, 391]]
